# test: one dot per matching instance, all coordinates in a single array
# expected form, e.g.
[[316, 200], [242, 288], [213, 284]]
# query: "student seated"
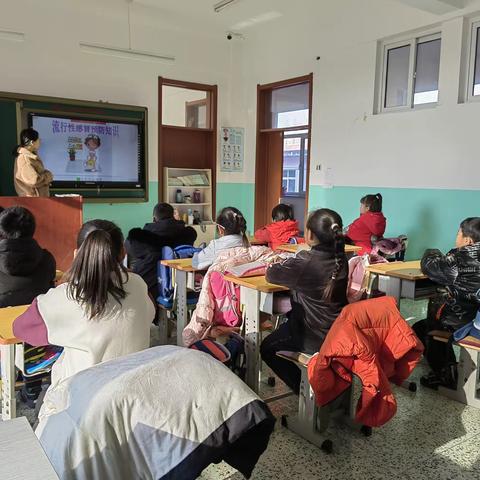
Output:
[[318, 281], [26, 270], [144, 246], [283, 228], [231, 227], [459, 272], [101, 312], [371, 223]]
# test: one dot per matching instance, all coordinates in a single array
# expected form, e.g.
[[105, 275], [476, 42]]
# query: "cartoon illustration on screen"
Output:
[[92, 142]]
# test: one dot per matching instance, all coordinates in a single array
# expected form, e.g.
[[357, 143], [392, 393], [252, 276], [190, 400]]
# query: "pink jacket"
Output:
[[202, 318]]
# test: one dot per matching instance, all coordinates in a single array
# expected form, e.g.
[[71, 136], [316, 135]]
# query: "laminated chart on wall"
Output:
[[232, 142]]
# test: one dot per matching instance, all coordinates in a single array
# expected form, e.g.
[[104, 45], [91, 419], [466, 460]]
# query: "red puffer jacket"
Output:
[[369, 339], [279, 233], [368, 225]]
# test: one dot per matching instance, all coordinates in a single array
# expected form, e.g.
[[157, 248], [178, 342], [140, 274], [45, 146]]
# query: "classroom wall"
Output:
[[50, 62], [424, 162]]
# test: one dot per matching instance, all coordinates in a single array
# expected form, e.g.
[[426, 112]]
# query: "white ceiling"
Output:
[[247, 15], [237, 17], [438, 7]]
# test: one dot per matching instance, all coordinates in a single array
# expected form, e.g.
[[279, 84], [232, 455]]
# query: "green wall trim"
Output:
[[239, 195], [125, 215], [430, 217]]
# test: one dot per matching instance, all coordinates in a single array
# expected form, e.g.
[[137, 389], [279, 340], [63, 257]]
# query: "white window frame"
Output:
[[474, 25], [413, 42]]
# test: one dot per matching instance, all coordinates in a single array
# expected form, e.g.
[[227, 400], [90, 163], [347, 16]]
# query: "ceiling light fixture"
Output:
[[123, 52], [120, 52], [12, 36], [218, 7]]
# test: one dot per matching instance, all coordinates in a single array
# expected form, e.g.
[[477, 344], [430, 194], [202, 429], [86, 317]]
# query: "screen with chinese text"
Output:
[[81, 151]]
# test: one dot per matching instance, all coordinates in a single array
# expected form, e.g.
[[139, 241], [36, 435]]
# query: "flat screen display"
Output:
[[86, 152]]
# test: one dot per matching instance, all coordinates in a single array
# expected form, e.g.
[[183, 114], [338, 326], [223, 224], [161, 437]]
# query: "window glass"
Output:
[[396, 87], [184, 107], [427, 69], [287, 107]]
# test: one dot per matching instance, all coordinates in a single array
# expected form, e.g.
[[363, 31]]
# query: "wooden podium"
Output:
[[58, 222]]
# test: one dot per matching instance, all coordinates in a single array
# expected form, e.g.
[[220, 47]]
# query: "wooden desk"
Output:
[[295, 248], [7, 351], [183, 275], [256, 295], [403, 280], [21, 455], [254, 241]]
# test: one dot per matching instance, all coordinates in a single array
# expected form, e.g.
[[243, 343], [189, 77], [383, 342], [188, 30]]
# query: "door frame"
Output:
[[261, 182]]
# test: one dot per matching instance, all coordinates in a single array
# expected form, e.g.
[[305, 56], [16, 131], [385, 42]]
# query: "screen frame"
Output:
[[97, 186]]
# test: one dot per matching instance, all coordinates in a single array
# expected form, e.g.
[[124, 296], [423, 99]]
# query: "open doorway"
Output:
[[283, 148]]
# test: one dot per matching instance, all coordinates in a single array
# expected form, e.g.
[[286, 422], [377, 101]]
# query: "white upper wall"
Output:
[[433, 148], [50, 62]]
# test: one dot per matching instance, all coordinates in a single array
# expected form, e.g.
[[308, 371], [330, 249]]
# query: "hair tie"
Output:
[[335, 225]]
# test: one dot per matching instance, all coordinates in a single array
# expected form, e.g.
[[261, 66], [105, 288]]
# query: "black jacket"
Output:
[[459, 272], [26, 270], [144, 246], [307, 274]]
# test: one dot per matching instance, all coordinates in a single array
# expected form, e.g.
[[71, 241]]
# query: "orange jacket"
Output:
[[369, 339]]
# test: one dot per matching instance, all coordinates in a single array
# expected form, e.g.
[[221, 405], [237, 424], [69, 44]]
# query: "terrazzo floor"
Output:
[[431, 437]]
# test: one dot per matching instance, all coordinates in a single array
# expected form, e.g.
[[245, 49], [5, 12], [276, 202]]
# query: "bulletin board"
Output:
[[232, 149]]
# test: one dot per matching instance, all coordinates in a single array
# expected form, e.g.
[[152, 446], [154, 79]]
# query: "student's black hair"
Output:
[[93, 137], [97, 271], [162, 211], [372, 202], [27, 137], [16, 222], [234, 223], [470, 227], [327, 226], [282, 212]]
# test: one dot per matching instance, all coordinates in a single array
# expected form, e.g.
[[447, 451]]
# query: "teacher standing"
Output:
[[30, 176]]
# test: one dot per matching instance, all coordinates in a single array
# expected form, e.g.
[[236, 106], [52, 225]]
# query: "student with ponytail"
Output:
[[231, 228], [101, 312], [371, 223], [317, 280]]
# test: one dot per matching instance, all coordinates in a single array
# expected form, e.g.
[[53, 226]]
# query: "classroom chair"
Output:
[[393, 249], [468, 372], [166, 299], [311, 421]]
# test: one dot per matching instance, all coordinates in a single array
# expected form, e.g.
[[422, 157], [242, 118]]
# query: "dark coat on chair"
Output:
[[26, 270], [144, 247]]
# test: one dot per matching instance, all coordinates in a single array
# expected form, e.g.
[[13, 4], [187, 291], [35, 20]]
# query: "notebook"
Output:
[[251, 269]]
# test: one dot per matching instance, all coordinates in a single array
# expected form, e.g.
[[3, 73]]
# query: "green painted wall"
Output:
[[239, 195], [430, 217], [125, 215]]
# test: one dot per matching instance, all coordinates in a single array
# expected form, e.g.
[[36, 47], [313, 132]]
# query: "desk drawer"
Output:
[[418, 289]]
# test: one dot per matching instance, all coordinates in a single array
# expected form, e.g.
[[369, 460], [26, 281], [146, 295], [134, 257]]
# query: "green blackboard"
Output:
[[8, 140]]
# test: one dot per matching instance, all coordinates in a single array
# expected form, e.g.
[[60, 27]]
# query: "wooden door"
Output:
[[268, 184]]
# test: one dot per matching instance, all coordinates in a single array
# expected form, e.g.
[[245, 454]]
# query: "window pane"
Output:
[[294, 165], [305, 163], [476, 79], [396, 91], [184, 107], [287, 106], [426, 77]]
